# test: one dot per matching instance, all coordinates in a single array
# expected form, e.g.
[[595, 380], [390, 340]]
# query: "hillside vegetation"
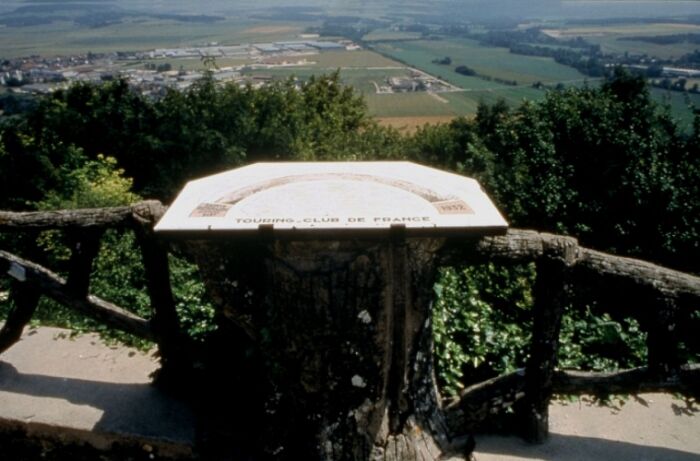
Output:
[[605, 164]]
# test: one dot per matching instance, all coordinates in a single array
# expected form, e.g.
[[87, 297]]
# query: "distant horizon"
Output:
[[514, 9]]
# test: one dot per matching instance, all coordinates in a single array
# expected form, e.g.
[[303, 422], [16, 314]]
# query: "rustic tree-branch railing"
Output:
[[85, 228], [661, 297]]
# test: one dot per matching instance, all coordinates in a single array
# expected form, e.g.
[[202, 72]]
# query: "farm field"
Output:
[[411, 124], [404, 105], [624, 29], [609, 37], [190, 63], [678, 103], [360, 79], [392, 53], [444, 104], [63, 38], [381, 35], [612, 44], [359, 58], [491, 61]]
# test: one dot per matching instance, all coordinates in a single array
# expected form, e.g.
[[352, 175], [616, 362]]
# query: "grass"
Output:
[[608, 37], [409, 125], [359, 58], [381, 35], [412, 54], [491, 61], [513, 96], [457, 103], [679, 104], [613, 44], [660, 28], [64, 38], [361, 79], [324, 62], [191, 63], [406, 105]]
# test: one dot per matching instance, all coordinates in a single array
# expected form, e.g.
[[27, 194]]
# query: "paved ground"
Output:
[[81, 390], [84, 390], [656, 427]]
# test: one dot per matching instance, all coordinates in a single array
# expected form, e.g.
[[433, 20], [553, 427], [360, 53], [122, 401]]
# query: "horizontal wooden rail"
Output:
[[482, 400], [519, 245], [147, 212], [39, 278]]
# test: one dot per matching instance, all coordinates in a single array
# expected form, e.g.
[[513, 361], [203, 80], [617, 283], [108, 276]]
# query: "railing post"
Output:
[[84, 250], [549, 293], [662, 340], [165, 323], [25, 299]]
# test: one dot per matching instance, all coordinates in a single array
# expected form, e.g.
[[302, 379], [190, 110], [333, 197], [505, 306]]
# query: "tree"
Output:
[[464, 70]]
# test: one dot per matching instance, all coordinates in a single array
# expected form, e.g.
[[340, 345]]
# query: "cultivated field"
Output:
[[494, 62], [359, 58], [407, 105], [612, 44], [411, 124], [609, 38], [190, 63], [679, 104], [63, 38], [381, 35], [624, 29], [396, 52], [363, 80]]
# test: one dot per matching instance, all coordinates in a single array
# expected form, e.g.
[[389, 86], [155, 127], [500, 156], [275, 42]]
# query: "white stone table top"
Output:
[[314, 199]]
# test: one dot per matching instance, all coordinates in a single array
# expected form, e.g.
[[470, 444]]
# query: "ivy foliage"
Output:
[[481, 322]]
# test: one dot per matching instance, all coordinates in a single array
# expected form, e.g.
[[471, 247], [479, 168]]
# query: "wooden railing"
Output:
[[660, 295], [84, 229]]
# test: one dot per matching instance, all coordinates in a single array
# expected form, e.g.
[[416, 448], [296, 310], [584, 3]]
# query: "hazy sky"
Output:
[[458, 9]]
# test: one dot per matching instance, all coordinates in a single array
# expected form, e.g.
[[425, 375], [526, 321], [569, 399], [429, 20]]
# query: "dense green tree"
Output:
[[607, 165]]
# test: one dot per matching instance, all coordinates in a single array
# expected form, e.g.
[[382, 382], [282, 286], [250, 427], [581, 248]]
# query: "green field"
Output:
[[613, 44], [64, 38], [609, 38], [324, 62], [190, 63], [364, 68], [381, 35], [490, 61], [679, 104], [454, 104], [360, 58], [360, 79], [406, 105]]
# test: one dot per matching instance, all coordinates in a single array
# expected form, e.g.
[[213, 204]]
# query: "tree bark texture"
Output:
[[149, 211], [548, 311], [345, 336], [173, 345], [84, 247]]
